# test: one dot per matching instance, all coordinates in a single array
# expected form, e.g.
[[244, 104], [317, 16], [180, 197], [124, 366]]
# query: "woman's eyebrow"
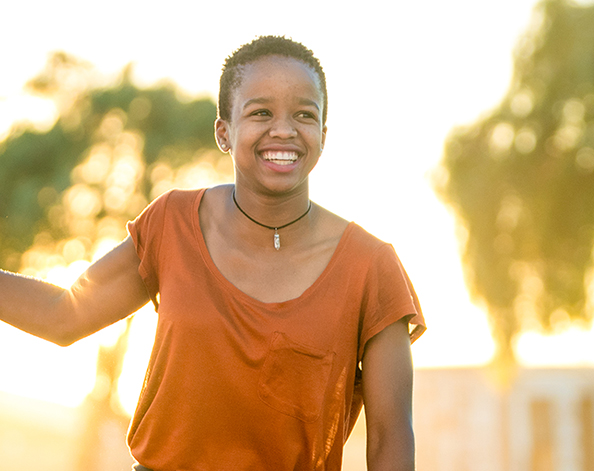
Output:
[[258, 101], [265, 100], [308, 102]]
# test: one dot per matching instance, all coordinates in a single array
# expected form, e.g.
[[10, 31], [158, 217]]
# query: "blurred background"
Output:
[[462, 132]]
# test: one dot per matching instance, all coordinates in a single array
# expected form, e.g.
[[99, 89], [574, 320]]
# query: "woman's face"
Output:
[[275, 134]]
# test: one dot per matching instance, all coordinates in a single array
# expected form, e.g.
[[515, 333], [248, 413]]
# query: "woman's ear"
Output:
[[222, 135], [324, 130]]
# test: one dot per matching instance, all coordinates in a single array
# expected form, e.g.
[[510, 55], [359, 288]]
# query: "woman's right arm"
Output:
[[109, 290]]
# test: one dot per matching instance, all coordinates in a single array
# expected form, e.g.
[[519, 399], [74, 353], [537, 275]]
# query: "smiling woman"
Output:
[[284, 99], [252, 337], [279, 126]]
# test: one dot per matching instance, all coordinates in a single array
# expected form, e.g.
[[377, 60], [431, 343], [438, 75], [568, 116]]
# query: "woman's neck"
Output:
[[271, 210]]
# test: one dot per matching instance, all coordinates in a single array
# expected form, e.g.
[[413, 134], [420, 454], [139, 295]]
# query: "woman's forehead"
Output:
[[278, 73]]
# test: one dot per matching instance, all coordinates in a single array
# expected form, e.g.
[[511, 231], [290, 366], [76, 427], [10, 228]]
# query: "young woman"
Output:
[[277, 318]]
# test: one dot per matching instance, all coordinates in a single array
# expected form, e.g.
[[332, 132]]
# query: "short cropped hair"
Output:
[[261, 47]]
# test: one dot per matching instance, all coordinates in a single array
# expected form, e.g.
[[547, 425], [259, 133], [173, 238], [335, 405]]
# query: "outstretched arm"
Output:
[[109, 290], [387, 395]]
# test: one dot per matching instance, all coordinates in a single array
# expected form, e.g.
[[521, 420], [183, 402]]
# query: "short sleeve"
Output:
[[147, 232], [389, 297]]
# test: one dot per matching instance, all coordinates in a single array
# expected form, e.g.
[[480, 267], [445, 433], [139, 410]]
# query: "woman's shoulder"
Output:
[[357, 237], [175, 195], [330, 228]]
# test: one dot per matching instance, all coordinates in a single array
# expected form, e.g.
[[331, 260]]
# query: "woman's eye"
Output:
[[306, 114], [261, 113]]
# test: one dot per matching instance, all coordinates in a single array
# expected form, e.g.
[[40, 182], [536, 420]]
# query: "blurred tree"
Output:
[[521, 181], [111, 150]]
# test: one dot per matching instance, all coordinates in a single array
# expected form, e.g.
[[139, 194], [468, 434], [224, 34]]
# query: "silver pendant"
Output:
[[276, 240]]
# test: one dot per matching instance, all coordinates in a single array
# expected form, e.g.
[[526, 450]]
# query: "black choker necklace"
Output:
[[275, 229]]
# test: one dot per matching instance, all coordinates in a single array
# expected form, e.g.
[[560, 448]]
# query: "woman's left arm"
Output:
[[387, 395]]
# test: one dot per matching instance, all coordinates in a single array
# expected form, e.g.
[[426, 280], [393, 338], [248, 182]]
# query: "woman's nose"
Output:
[[282, 128]]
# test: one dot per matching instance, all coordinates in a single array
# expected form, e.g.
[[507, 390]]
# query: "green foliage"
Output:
[[521, 180], [96, 165]]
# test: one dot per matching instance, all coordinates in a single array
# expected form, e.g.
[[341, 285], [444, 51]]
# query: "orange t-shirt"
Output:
[[237, 384]]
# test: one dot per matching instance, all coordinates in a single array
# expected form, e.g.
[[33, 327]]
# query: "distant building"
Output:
[[543, 422]]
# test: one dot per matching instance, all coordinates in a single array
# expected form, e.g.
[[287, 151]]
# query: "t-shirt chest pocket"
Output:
[[294, 378]]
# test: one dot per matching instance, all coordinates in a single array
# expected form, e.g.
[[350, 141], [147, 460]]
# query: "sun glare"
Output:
[[142, 335], [44, 370], [39, 112], [67, 375], [572, 347]]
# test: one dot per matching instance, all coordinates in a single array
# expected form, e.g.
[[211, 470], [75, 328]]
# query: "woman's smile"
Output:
[[280, 157]]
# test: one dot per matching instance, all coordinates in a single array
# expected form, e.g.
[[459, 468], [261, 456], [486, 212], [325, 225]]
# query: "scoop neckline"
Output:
[[226, 284]]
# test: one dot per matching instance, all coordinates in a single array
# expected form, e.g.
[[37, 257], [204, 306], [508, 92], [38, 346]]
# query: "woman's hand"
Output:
[[387, 395], [109, 290]]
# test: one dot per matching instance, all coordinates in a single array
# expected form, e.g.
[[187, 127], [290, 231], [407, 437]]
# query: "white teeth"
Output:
[[282, 158]]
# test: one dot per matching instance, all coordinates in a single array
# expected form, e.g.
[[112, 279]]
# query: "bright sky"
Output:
[[400, 76]]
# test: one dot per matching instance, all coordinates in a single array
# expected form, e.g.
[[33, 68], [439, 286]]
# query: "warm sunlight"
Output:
[[44, 370], [571, 346], [387, 166], [403, 79], [68, 374], [141, 338]]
